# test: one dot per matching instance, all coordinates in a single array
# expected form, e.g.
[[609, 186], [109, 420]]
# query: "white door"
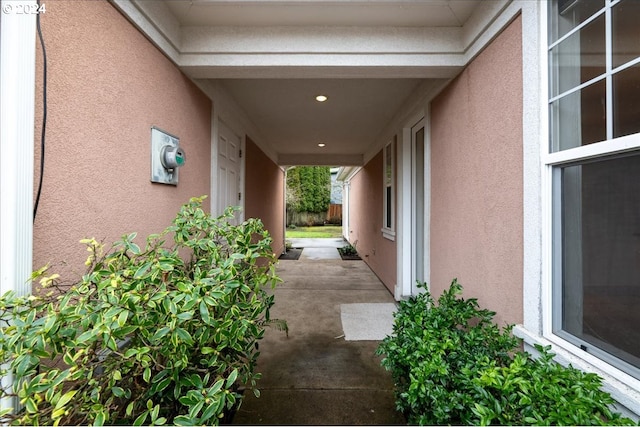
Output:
[[229, 190]]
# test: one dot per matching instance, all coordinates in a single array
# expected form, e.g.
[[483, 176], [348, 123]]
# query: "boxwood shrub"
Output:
[[452, 365], [167, 333]]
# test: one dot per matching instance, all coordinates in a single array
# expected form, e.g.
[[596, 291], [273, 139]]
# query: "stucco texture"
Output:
[[365, 225], [264, 193], [477, 179], [107, 85]]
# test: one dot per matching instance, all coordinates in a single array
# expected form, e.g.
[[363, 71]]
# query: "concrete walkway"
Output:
[[315, 377], [319, 249]]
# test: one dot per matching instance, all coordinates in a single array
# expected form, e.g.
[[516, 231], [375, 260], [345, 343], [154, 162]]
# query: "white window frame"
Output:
[[538, 163], [624, 387], [389, 197]]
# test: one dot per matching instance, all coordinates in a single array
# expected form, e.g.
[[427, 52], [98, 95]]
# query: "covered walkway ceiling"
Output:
[[270, 58]]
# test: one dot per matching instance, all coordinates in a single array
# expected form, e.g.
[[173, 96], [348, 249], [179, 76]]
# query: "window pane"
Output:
[[626, 36], [601, 255], [388, 207], [388, 167], [626, 101], [579, 58], [565, 15], [579, 118], [388, 185]]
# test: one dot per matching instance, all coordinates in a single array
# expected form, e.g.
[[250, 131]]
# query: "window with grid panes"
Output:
[[594, 164]]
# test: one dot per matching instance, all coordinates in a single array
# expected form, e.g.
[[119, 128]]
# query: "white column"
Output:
[[346, 185], [17, 82]]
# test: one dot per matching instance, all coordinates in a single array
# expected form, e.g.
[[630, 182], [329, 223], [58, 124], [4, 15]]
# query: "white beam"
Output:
[[290, 67], [320, 160], [321, 39]]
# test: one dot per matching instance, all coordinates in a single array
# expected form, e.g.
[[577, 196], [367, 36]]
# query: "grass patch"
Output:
[[319, 232]]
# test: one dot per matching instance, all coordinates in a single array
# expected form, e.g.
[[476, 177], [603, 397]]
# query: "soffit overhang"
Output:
[[231, 44]]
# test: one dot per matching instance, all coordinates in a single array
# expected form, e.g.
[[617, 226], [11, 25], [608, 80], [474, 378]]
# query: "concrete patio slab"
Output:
[[367, 321]]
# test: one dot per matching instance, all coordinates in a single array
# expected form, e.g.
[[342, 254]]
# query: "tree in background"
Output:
[[308, 190], [293, 193]]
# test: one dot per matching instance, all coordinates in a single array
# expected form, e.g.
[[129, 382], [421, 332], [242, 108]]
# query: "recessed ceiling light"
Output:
[[321, 98], [322, 144]]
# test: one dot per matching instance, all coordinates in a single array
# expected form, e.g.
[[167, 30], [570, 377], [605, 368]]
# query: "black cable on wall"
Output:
[[44, 113]]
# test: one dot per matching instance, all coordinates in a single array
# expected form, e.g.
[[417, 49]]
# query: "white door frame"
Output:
[[406, 261], [420, 267]]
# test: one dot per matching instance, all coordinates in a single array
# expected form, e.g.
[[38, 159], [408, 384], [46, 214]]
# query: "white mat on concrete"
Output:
[[367, 321]]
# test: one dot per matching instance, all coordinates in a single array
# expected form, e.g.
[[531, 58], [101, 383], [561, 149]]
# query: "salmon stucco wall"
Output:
[[107, 85], [264, 193], [476, 179], [366, 220]]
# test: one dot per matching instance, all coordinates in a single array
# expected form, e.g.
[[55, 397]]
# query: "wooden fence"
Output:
[[334, 215]]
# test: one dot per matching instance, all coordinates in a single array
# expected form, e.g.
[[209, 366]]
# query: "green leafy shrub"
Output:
[[163, 334], [434, 352], [452, 365], [541, 392], [348, 250]]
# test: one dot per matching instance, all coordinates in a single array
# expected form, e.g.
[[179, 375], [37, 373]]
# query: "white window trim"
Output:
[[389, 232], [585, 152], [538, 163], [623, 387]]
